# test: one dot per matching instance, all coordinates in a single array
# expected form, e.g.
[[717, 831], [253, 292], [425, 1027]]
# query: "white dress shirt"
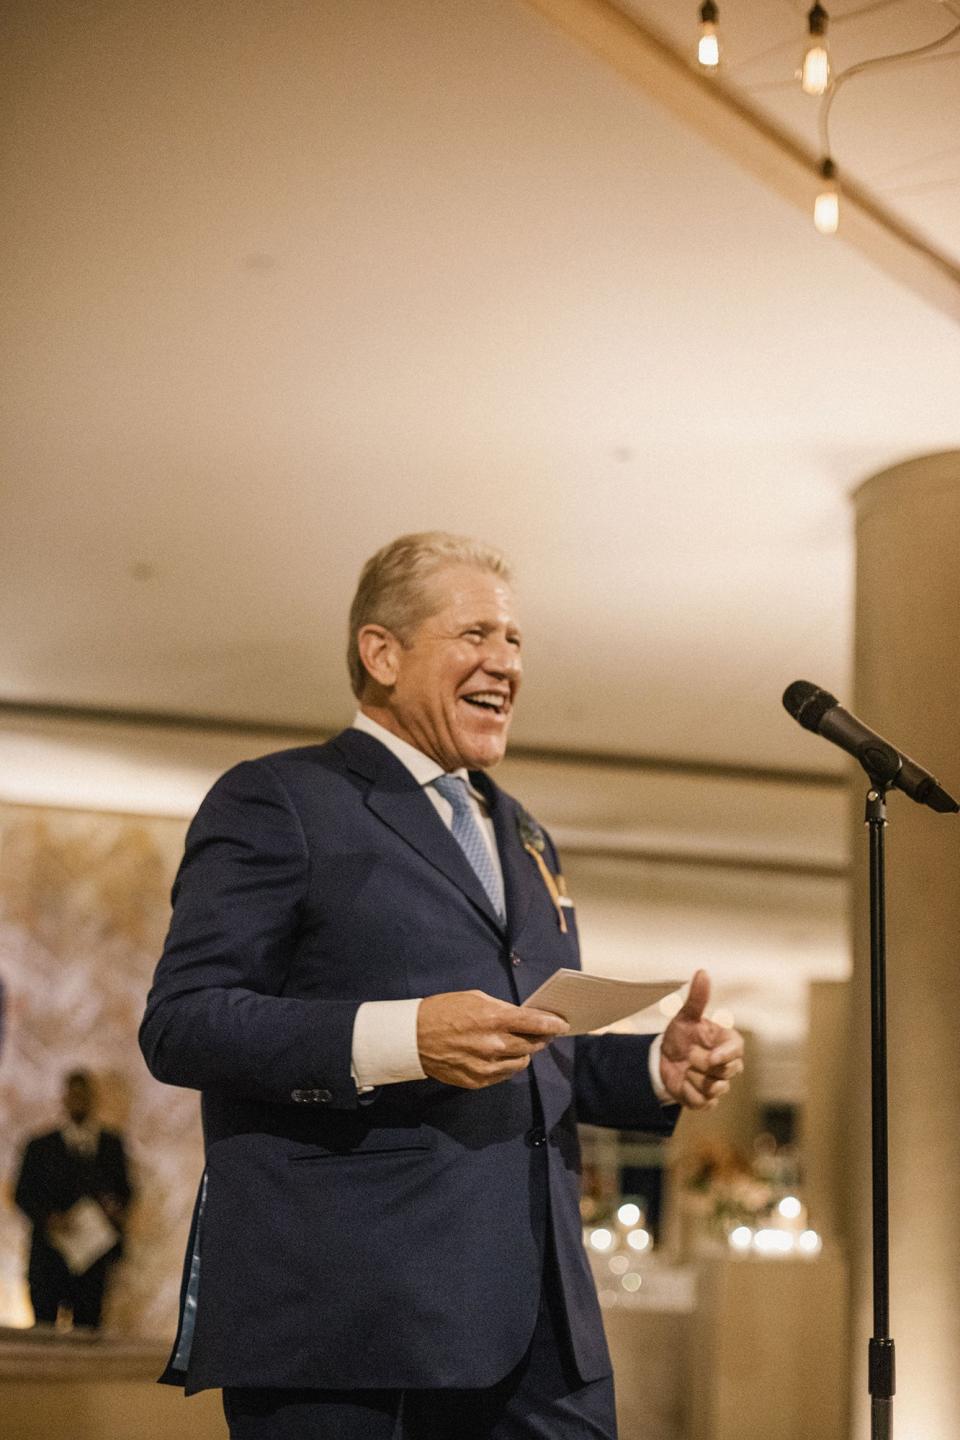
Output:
[[82, 1139], [384, 1050]]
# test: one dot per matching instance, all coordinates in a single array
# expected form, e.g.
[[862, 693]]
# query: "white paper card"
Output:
[[87, 1236], [588, 1002]]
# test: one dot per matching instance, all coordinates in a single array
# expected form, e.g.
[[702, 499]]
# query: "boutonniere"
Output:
[[534, 842]]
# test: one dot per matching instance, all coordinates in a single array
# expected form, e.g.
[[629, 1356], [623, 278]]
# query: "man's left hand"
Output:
[[699, 1058]]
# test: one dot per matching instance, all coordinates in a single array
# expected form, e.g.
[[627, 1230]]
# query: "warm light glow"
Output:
[[790, 1207], [601, 1238], [826, 212], [773, 1242], [815, 75], [631, 1282], [619, 1264], [809, 1243], [742, 1238], [708, 49], [628, 1214], [640, 1240]]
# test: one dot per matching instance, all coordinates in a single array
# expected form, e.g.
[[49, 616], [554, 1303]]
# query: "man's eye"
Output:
[[475, 634]]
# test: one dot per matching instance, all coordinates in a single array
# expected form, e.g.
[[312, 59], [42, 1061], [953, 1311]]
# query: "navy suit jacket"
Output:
[[393, 1239]]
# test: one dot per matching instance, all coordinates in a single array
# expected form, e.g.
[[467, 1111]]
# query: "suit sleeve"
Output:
[[611, 1085], [216, 1017], [30, 1193]]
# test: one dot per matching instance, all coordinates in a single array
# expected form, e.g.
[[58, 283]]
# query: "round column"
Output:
[[907, 687]]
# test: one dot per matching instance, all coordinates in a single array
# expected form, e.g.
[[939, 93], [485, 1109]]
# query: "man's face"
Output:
[[457, 677]]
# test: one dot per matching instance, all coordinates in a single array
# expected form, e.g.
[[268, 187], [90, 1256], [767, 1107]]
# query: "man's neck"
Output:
[[385, 718]]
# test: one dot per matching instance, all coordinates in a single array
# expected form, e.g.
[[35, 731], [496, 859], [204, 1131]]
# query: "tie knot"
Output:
[[454, 789]]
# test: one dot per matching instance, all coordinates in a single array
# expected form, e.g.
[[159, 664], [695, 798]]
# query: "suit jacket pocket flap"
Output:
[[381, 1140]]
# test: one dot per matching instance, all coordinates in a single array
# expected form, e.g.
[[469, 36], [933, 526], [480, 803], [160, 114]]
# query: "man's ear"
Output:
[[380, 653]]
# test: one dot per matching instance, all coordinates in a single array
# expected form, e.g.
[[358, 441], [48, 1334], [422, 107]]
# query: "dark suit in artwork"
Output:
[[53, 1177], [397, 1238]]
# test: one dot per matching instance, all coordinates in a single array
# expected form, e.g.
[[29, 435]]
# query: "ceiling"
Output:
[[282, 281], [892, 128]]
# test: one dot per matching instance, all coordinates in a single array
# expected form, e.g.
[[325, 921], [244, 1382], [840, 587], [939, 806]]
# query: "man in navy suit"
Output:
[[79, 1161], [387, 1238]]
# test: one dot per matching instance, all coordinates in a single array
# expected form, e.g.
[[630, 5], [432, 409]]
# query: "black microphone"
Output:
[[821, 712]]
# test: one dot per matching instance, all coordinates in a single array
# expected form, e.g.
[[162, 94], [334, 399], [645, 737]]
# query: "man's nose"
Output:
[[502, 658]]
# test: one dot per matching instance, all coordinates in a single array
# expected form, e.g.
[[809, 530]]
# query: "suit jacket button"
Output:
[[298, 1096], [537, 1137], [323, 1096], [515, 958]]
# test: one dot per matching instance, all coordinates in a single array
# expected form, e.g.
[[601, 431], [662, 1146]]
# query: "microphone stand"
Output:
[[882, 1368]]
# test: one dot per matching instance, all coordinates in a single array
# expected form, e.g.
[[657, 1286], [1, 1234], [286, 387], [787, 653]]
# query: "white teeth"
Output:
[[487, 697]]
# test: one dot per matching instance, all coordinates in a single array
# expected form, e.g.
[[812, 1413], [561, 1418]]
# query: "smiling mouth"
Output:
[[489, 700]]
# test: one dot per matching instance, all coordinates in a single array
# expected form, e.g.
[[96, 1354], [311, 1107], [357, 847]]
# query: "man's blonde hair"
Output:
[[393, 589]]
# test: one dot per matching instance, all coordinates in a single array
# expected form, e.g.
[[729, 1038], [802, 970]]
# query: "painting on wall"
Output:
[[84, 907]]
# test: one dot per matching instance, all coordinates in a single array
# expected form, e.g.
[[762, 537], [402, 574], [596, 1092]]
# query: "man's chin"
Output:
[[482, 752]]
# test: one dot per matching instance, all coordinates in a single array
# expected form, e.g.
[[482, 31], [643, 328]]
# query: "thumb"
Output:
[[697, 996]]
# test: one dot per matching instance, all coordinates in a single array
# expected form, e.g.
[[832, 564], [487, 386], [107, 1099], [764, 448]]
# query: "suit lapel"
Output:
[[518, 877], [398, 800]]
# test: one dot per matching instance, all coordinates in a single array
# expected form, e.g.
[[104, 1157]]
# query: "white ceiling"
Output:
[[893, 128], [284, 280]]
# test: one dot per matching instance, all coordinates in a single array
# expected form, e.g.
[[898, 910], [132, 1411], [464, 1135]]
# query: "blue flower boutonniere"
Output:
[[534, 842]]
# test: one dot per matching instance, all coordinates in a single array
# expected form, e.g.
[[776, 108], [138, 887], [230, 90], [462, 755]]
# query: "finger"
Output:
[[731, 1050], [513, 1045], [696, 1058], [725, 1072], [697, 997], [541, 1041], [499, 1070], [707, 1084], [524, 1020], [691, 1096], [480, 1075], [710, 1034]]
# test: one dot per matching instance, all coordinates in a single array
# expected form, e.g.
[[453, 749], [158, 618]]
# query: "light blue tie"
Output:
[[467, 833]]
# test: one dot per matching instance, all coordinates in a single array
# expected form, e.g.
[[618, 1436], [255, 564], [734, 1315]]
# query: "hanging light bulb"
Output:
[[826, 207], [815, 74], [708, 49]]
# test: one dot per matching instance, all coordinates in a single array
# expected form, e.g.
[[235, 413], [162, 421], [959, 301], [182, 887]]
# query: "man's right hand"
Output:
[[469, 1039]]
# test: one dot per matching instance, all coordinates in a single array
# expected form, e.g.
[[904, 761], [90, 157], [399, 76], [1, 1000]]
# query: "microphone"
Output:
[[821, 712]]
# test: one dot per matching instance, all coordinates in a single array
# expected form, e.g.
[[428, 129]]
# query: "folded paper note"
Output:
[[588, 1002], [86, 1236]]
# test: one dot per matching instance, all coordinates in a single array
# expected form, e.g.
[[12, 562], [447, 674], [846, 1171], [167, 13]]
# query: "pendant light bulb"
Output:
[[826, 207], [708, 48], [815, 73]]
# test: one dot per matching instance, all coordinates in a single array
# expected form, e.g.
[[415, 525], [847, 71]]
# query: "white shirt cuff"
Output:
[[384, 1048], [653, 1059]]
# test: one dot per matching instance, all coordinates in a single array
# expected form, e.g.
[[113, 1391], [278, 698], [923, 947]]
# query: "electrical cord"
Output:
[[877, 61]]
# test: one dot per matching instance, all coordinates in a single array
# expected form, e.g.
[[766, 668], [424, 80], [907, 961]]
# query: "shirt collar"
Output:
[[423, 769]]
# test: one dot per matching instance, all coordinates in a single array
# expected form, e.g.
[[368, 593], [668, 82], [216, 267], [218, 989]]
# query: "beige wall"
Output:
[[83, 911]]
